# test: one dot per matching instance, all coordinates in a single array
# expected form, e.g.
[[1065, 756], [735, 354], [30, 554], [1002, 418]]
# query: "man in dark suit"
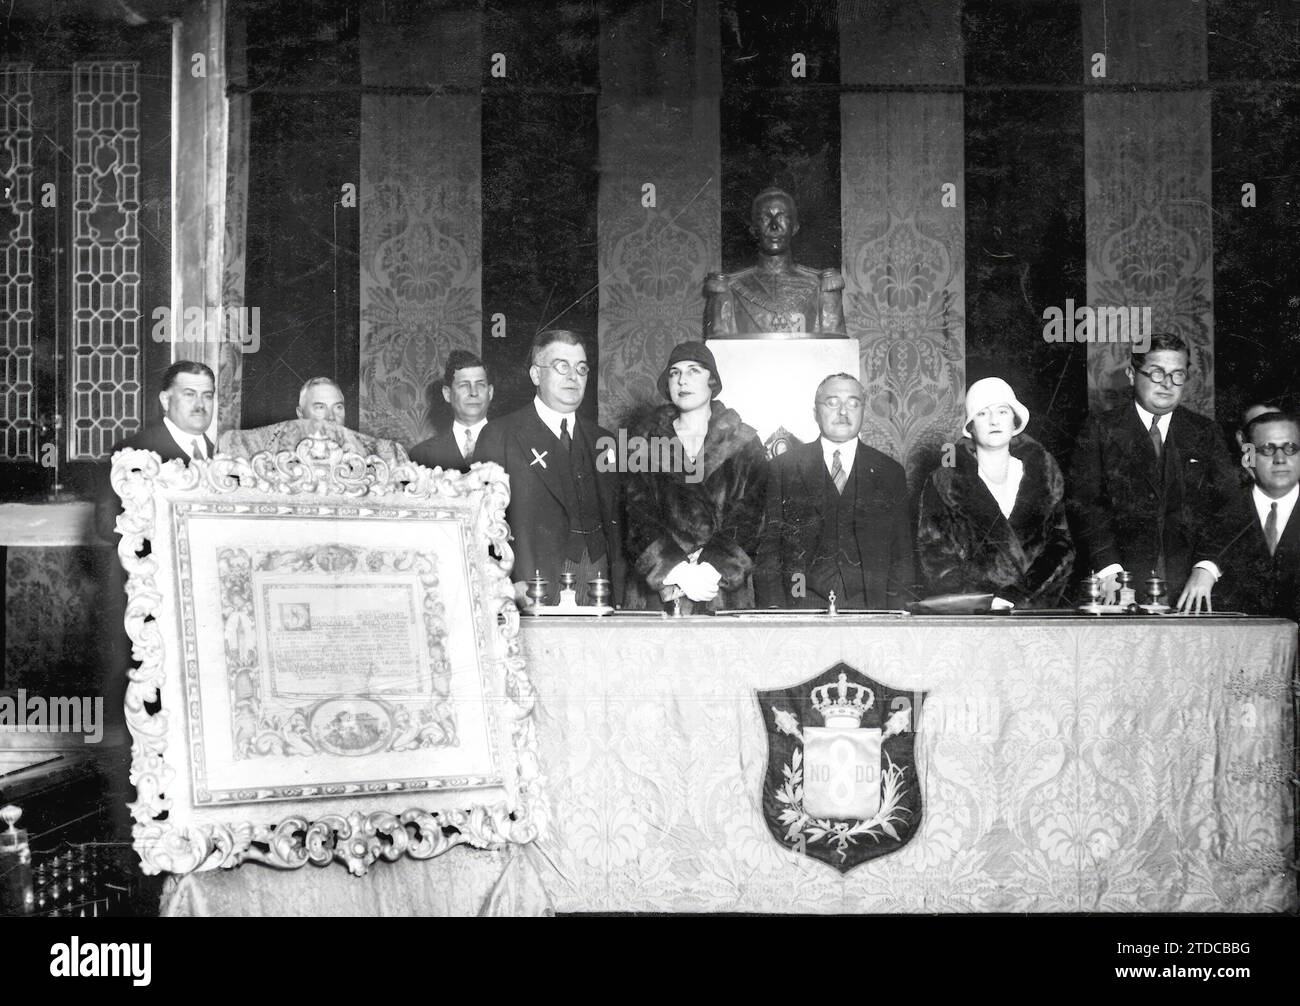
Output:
[[564, 505], [187, 397], [836, 516], [466, 388], [1250, 551], [1147, 475]]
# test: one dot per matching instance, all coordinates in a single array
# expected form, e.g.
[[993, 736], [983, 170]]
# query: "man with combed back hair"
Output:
[[564, 510], [322, 398], [467, 388], [1147, 476], [187, 395]]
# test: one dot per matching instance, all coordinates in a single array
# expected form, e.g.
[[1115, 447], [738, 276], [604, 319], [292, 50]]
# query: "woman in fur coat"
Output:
[[693, 527], [995, 523]]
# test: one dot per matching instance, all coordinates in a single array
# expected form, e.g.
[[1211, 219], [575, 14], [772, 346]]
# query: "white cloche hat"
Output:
[[993, 391]]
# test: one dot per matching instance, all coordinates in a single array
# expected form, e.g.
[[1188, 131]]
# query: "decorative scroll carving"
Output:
[[316, 471]]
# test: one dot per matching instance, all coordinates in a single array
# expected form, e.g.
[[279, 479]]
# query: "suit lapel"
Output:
[[174, 446], [585, 441], [1140, 448], [177, 450], [811, 467], [1288, 546], [535, 435], [1247, 533], [445, 446]]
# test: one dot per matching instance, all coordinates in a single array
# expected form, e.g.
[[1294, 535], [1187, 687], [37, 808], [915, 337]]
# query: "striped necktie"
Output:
[[469, 444], [838, 475]]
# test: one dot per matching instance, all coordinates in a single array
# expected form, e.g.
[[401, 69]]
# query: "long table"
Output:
[[1067, 765], [1076, 764]]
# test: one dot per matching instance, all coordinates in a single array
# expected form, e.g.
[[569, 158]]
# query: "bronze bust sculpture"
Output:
[[775, 298]]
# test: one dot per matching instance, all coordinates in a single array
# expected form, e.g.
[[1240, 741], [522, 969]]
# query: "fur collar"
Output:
[[728, 435], [967, 491]]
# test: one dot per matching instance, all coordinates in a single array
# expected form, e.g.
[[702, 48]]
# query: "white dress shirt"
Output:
[[459, 429], [1004, 493], [1263, 504], [1162, 423], [848, 451], [552, 419], [186, 441]]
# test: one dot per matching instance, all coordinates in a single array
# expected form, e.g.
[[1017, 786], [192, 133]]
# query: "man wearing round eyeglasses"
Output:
[[1251, 550], [1147, 476], [564, 509]]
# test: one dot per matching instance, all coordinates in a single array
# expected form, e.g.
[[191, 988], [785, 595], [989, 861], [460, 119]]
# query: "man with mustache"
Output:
[[564, 509], [1147, 476], [836, 516], [467, 389], [187, 399]]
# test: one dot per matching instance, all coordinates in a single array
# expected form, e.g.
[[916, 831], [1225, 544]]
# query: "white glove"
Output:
[[678, 575], [702, 582], [1109, 578]]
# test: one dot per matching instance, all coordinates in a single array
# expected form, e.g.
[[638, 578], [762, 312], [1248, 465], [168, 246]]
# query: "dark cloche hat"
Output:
[[697, 352]]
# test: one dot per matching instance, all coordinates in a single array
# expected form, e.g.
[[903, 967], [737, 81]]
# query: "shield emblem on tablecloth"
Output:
[[841, 783]]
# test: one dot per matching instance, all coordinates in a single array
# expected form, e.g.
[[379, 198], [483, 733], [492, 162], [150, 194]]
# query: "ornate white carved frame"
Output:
[[355, 825]]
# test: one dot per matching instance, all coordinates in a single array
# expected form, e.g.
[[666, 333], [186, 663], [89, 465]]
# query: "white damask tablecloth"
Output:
[[461, 882], [1067, 765]]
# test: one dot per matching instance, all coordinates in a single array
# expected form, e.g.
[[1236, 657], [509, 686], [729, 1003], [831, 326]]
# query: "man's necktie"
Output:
[[1156, 442], [838, 475], [196, 451], [566, 441], [469, 444], [1270, 529]]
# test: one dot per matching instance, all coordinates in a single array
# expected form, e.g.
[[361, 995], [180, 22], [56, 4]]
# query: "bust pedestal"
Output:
[[771, 378]]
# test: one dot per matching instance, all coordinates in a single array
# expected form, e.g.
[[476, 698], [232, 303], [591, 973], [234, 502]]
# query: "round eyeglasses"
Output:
[[564, 368], [1158, 375], [1268, 450]]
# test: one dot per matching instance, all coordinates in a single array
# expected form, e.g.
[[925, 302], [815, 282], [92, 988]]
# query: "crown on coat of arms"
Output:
[[848, 704]]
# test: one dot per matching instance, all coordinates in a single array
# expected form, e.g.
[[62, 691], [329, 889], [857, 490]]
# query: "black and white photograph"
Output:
[[653, 458]]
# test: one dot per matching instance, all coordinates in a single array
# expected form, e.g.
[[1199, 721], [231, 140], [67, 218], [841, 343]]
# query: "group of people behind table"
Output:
[[1152, 489]]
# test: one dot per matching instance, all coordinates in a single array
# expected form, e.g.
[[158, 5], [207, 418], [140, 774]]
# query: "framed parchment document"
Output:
[[330, 665]]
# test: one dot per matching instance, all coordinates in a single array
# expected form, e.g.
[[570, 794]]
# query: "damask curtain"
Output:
[[421, 209], [1147, 163], [658, 116], [902, 205]]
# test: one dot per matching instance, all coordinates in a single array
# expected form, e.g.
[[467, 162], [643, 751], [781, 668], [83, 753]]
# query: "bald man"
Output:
[[837, 516]]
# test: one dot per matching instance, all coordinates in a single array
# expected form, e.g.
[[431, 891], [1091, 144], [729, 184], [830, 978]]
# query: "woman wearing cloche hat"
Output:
[[693, 528], [995, 523]]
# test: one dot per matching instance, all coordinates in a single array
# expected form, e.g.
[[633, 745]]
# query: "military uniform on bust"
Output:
[[776, 296]]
